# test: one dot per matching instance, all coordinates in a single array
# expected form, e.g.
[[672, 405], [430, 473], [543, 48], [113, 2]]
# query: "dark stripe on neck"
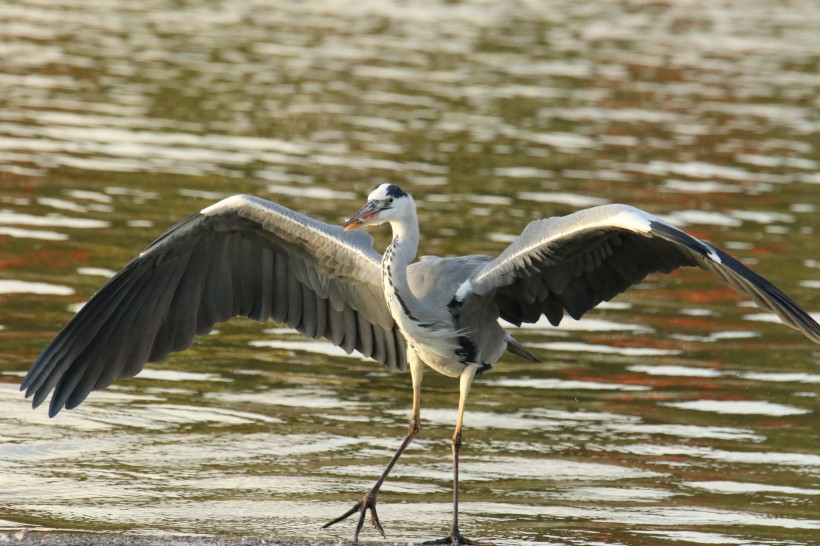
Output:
[[404, 306], [389, 256]]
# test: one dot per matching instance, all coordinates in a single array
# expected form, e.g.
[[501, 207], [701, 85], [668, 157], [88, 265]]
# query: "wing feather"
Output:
[[243, 256], [572, 263], [279, 300]]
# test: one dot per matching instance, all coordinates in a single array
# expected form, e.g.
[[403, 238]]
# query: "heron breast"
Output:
[[443, 365]]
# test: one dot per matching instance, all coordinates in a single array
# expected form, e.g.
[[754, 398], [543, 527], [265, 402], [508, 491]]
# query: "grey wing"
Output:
[[572, 263], [243, 256]]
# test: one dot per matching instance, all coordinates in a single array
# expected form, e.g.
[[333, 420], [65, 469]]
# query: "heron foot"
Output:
[[455, 539], [367, 503]]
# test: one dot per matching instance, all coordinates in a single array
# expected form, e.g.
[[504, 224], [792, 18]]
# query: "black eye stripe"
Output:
[[391, 191], [394, 191]]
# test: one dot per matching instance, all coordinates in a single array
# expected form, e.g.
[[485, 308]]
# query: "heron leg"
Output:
[[455, 538], [368, 503]]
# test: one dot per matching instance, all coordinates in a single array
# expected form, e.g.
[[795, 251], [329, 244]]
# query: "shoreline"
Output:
[[62, 538]]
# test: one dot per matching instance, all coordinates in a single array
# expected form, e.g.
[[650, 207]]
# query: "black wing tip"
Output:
[[800, 319], [38, 400], [54, 410], [28, 383], [40, 397]]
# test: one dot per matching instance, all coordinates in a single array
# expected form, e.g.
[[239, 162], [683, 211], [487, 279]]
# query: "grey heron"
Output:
[[246, 256]]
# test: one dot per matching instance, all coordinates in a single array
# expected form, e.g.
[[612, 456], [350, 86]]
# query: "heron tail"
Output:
[[516, 348]]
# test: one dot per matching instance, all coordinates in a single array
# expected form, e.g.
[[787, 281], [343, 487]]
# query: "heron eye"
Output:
[[389, 200]]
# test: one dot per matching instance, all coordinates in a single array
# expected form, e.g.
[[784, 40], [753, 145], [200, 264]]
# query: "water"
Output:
[[676, 414]]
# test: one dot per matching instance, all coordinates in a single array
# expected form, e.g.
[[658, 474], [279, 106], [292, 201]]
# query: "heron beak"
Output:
[[365, 213]]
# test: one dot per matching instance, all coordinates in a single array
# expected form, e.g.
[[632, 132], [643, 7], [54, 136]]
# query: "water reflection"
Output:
[[675, 414], [25, 287]]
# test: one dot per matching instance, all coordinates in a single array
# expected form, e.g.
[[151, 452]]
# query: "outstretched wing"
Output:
[[572, 263], [243, 256]]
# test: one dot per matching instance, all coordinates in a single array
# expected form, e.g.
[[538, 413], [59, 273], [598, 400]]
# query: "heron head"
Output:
[[386, 202]]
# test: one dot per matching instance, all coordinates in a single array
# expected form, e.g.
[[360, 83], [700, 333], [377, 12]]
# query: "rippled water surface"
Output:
[[678, 413]]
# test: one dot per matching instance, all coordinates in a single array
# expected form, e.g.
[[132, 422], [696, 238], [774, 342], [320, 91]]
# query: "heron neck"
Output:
[[397, 257]]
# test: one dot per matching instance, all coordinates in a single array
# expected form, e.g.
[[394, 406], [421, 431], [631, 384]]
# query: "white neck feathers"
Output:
[[401, 251]]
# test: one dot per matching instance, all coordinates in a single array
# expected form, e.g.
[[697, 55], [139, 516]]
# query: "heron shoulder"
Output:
[[229, 204], [616, 215]]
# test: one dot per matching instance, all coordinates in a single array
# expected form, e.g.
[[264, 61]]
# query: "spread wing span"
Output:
[[243, 256]]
